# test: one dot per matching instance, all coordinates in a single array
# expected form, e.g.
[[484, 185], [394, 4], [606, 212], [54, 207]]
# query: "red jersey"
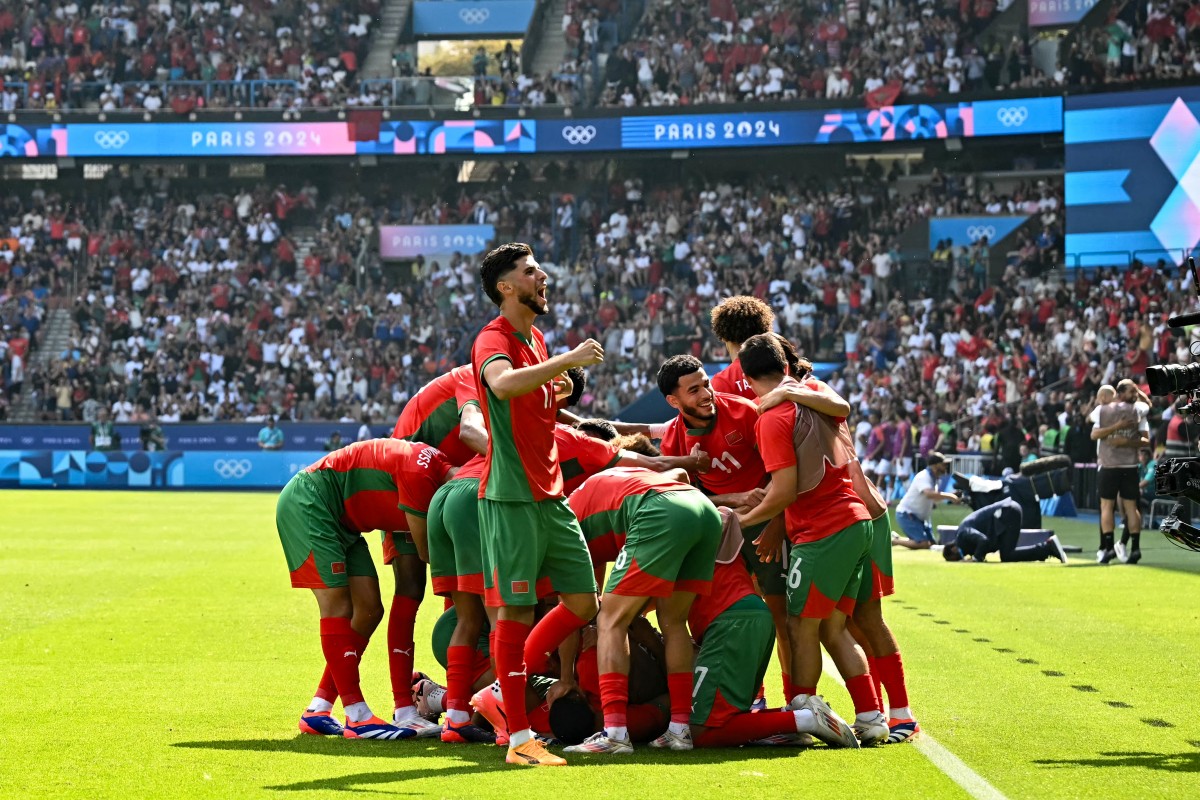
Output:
[[581, 456], [431, 416], [607, 502], [831, 506], [732, 380], [472, 469], [729, 442], [522, 458], [731, 582], [378, 480]]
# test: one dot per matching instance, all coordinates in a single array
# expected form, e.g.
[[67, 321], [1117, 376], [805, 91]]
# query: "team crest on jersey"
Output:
[[733, 438], [338, 568], [520, 587]]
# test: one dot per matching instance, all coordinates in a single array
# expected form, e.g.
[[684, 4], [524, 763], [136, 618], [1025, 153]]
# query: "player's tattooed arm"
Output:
[[826, 401], [471, 429]]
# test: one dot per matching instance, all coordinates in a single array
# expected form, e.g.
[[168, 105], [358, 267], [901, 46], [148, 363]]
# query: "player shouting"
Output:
[[526, 528], [381, 484]]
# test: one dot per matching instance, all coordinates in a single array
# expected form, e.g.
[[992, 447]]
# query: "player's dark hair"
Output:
[[600, 429], [675, 368], [799, 368], [951, 552], [637, 443], [578, 376], [761, 356], [571, 718], [738, 318], [498, 263]]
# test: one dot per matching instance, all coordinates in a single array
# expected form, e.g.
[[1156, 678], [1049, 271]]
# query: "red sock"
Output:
[[343, 650], [891, 673], [327, 689], [548, 634], [460, 666], [614, 699], [862, 692], [873, 667], [789, 689], [646, 722], [809, 690], [480, 666], [679, 685], [510, 669], [401, 621], [747, 727], [492, 648]]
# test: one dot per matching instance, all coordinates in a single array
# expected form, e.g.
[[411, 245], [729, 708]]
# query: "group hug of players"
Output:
[[752, 528]]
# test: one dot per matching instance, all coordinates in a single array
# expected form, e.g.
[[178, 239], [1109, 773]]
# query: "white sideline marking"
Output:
[[951, 765]]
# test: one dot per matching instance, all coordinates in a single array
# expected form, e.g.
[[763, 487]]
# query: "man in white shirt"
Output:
[[914, 513]]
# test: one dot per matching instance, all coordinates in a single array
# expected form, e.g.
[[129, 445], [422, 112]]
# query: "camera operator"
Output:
[[1120, 431]]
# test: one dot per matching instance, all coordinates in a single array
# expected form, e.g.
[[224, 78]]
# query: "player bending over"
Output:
[[670, 534], [383, 484]]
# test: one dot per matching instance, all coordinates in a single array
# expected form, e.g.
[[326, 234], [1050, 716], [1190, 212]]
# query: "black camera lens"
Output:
[[1173, 378]]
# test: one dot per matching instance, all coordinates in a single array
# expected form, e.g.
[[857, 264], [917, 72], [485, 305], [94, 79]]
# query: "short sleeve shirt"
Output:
[[522, 458], [729, 441]]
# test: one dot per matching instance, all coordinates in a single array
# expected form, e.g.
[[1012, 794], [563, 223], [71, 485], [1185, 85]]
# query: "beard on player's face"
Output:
[[698, 407], [535, 303]]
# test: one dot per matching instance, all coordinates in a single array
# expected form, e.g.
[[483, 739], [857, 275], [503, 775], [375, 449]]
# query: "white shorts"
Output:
[[902, 467], [883, 467]]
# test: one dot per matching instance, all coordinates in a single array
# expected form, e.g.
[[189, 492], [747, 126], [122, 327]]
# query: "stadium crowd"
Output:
[[111, 54], [763, 50], [201, 307]]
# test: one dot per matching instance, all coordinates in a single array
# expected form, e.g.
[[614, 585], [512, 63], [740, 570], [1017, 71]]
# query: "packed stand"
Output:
[[499, 81], [1137, 43], [202, 308], [759, 50], [81, 54]]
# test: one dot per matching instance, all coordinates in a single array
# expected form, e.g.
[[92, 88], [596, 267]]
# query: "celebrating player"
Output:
[[381, 484], [867, 624], [734, 321], [526, 528], [720, 428], [670, 534], [829, 528]]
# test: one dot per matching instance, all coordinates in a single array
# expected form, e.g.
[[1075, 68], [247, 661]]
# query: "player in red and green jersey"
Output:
[[671, 532], [525, 527], [867, 624], [734, 321], [830, 531], [445, 414], [722, 426], [377, 484]]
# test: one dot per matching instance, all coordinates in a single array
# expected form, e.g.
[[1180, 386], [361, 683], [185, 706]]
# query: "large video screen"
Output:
[[1133, 176]]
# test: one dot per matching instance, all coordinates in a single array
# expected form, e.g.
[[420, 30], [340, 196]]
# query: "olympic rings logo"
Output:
[[474, 16], [977, 232], [1012, 116], [579, 134], [111, 140], [232, 468]]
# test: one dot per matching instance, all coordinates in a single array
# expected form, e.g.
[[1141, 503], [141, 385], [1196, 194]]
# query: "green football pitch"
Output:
[[151, 647]]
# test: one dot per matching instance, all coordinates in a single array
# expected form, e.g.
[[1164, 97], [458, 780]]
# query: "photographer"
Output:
[[1120, 431]]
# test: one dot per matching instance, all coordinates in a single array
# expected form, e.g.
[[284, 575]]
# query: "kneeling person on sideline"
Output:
[[998, 528]]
